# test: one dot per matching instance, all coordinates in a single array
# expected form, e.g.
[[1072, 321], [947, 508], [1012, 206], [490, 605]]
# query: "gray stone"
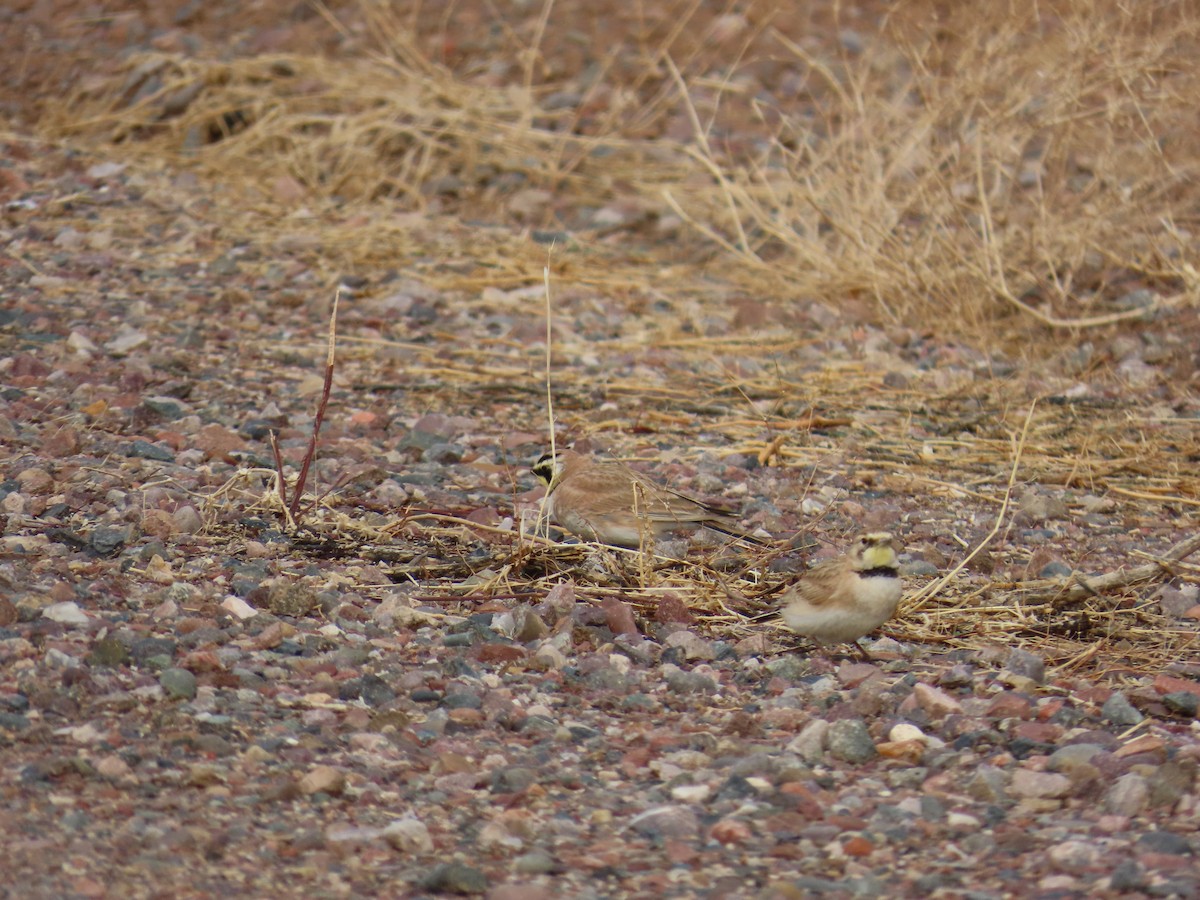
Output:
[[810, 743], [1039, 508], [513, 779], [1071, 757], [681, 682], [108, 652], [1118, 710], [1074, 855], [187, 520], [1029, 665], [850, 741], [852, 41], [147, 450], [1127, 876], [1055, 569], [455, 878], [754, 764], [376, 692], [1039, 785], [1170, 782], [932, 809], [536, 862], [353, 658], [789, 667], [107, 540], [13, 721], [460, 697], [562, 100], [602, 679], [1178, 886], [988, 784], [1129, 796], [528, 627], [1182, 703], [666, 821], [811, 886], [866, 886], [1166, 842], [1177, 601], [167, 407], [538, 725], [444, 454], [692, 645], [178, 683], [957, 676], [65, 613], [409, 835]]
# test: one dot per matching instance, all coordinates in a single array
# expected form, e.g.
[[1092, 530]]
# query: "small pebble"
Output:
[[811, 742], [1025, 664], [1182, 703], [1128, 796], [1039, 785], [67, 613], [666, 822], [1166, 842], [455, 878], [1118, 710], [850, 741], [536, 862], [178, 683], [408, 835]]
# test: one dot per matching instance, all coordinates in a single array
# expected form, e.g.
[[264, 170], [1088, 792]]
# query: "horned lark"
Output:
[[609, 502], [840, 600]]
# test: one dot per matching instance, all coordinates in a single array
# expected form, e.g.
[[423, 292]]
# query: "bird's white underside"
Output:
[[875, 600]]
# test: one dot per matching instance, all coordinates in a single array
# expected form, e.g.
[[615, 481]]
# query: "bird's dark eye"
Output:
[[544, 467]]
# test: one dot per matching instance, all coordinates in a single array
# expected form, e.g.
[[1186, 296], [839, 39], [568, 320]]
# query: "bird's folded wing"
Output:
[[818, 587]]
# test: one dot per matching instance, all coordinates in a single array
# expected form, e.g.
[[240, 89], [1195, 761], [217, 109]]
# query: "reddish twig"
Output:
[[294, 508]]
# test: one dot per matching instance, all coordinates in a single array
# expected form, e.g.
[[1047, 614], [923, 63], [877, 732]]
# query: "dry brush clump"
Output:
[[386, 125], [1005, 158], [957, 168]]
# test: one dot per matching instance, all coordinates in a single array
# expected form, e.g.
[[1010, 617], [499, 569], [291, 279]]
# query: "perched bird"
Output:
[[839, 600], [606, 501]]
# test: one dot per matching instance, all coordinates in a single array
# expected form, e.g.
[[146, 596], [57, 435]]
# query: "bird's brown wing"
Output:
[[611, 492], [819, 586], [607, 488], [666, 506], [662, 504]]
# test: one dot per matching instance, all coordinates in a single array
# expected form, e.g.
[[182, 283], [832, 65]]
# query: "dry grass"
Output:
[[963, 168], [1033, 159]]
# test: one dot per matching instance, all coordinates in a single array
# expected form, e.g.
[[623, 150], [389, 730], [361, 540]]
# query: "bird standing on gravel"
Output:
[[609, 502], [840, 600]]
